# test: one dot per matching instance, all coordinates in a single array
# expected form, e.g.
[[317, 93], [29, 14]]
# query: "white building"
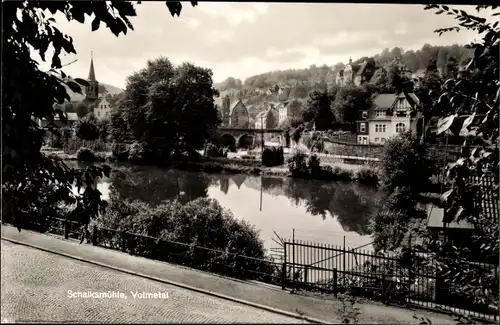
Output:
[[391, 114], [288, 109], [102, 109]]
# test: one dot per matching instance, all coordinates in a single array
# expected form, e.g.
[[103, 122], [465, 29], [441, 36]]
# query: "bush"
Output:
[[313, 166], [136, 152], [86, 155], [297, 165], [120, 151], [337, 173], [213, 151], [273, 156], [199, 223], [73, 143], [87, 128], [367, 176]]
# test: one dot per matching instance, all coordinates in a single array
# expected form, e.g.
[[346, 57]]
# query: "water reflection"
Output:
[[317, 211], [154, 185]]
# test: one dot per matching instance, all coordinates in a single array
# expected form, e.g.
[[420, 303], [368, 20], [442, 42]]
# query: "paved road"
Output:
[[35, 286]]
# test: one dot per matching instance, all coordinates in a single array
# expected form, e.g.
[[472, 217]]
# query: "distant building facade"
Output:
[[390, 115], [355, 74], [268, 118], [288, 109], [238, 115]]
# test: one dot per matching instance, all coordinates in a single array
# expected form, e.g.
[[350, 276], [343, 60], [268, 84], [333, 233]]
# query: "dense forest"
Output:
[[298, 83]]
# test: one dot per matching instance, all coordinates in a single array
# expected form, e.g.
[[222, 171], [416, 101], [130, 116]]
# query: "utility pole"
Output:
[[261, 136]]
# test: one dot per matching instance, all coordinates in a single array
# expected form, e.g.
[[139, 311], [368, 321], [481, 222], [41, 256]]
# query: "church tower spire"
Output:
[[92, 72], [92, 91]]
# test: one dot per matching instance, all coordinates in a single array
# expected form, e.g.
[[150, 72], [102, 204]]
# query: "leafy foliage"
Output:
[[348, 101], [273, 156], [167, 109], [200, 225], [87, 128], [404, 164], [318, 110], [86, 155], [29, 94], [470, 103]]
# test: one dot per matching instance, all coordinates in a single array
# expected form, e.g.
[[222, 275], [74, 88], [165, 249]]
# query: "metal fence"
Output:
[[222, 262], [411, 278]]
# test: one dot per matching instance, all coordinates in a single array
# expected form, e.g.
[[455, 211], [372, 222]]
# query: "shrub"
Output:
[[273, 156], [297, 165], [73, 143], [86, 155], [136, 152], [313, 166], [120, 151], [199, 223], [213, 151], [87, 128], [367, 176]]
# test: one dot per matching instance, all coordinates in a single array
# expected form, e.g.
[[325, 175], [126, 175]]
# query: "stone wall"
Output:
[[354, 150]]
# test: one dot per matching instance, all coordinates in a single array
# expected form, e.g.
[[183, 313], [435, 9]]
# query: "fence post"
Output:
[[283, 276], [343, 262], [305, 275], [293, 258], [335, 277], [94, 235], [123, 240], [66, 229], [283, 270], [384, 288]]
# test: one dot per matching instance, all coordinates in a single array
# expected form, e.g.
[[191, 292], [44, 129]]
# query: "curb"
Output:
[[173, 283]]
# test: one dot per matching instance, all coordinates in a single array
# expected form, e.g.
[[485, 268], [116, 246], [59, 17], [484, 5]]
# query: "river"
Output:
[[327, 212]]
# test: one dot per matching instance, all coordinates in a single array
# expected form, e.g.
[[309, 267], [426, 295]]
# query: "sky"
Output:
[[245, 39]]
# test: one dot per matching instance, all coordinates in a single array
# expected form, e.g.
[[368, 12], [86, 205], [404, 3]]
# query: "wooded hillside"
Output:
[[298, 83]]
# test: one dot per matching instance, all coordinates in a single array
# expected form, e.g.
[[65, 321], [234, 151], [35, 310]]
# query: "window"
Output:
[[362, 127], [377, 139], [380, 128], [400, 127], [380, 113], [364, 114], [382, 140]]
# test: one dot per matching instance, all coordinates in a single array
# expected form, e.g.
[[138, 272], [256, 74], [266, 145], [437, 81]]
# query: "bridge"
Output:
[[242, 137]]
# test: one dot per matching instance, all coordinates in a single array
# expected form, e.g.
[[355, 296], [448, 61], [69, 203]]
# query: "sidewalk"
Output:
[[325, 310]]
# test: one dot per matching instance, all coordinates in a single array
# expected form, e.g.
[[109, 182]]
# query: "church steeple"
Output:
[[92, 72], [350, 60], [92, 91]]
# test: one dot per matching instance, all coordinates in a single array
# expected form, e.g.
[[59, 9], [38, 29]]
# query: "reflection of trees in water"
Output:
[[154, 185], [351, 203], [224, 183]]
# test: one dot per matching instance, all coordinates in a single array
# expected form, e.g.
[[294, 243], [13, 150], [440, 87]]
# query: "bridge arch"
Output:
[[245, 140], [227, 140]]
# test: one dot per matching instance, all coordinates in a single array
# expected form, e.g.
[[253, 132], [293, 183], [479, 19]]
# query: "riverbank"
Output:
[[330, 171]]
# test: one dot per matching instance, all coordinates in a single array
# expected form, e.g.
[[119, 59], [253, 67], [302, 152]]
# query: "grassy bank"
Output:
[[330, 172]]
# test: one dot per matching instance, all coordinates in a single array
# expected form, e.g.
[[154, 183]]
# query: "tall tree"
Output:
[[318, 110], [226, 102], [349, 101], [169, 108], [29, 93]]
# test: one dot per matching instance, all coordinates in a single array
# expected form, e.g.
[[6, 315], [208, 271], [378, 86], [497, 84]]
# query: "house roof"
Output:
[[361, 68], [263, 113], [384, 101], [236, 104]]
